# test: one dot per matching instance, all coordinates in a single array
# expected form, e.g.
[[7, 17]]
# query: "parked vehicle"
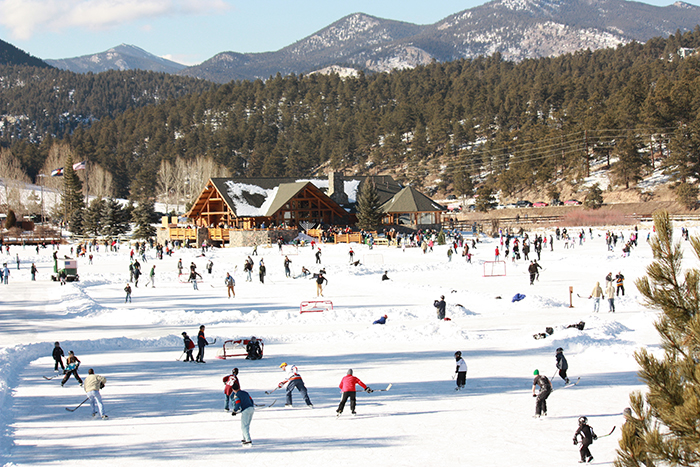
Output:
[[523, 203], [572, 202], [539, 204]]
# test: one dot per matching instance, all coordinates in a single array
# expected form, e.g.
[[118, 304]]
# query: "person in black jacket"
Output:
[[562, 365], [440, 305], [189, 347], [545, 390], [201, 343], [57, 356], [253, 349], [587, 437]]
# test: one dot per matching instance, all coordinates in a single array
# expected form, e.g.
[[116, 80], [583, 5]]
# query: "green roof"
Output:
[[410, 200]]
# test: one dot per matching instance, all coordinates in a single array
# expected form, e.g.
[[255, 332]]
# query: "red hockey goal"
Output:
[[494, 268], [315, 306]]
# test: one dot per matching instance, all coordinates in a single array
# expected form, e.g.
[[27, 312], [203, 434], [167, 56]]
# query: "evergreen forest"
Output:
[[466, 123]]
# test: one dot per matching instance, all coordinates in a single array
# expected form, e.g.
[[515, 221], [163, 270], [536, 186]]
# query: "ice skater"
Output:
[[231, 383], [544, 392], [57, 356], [587, 436], [292, 381], [562, 365], [347, 385], [460, 371], [93, 384], [243, 404]]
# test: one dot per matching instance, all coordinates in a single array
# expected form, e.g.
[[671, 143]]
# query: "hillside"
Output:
[[122, 57], [11, 55]]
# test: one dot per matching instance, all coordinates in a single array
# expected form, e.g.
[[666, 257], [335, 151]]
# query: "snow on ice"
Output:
[[168, 412]]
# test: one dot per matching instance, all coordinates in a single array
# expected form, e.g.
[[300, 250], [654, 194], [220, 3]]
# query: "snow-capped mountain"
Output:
[[122, 57], [517, 29]]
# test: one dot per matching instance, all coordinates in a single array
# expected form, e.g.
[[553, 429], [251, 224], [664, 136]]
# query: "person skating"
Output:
[[562, 365], [587, 437], [610, 294], [596, 294], [262, 270], [243, 404], [287, 266], [230, 282], [92, 386], [544, 392], [320, 279], [460, 371], [209, 266], [127, 289], [620, 281], [230, 383], [189, 347], [253, 349], [440, 306], [152, 277], [318, 256], [72, 364], [532, 269], [179, 267], [201, 343], [347, 385], [57, 355], [193, 277], [33, 270], [293, 380]]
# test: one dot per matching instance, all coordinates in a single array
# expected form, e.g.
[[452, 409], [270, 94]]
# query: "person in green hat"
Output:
[[544, 392]]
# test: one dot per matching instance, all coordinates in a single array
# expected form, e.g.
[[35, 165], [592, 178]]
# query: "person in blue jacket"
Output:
[[381, 320], [243, 404]]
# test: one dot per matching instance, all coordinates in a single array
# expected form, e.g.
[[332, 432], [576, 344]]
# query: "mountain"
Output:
[[11, 55], [517, 29], [122, 57]]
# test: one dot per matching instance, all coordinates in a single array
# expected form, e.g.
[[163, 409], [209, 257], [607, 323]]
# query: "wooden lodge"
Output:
[[243, 211]]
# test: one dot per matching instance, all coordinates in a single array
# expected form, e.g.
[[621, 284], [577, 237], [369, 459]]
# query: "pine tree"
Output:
[[10, 220], [594, 197], [94, 217], [144, 215], [73, 204], [663, 429], [485, 200], [368, 214], [116, 219]]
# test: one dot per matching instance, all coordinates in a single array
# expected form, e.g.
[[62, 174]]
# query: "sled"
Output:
[[315, 306], [236, 348]]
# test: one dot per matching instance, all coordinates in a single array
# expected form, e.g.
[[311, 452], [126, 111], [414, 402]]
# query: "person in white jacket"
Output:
[[610, 294], [92, 384], [293, 380], [461, 371]]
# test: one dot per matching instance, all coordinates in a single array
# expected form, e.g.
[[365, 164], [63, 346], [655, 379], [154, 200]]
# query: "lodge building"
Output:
[[243, 211]]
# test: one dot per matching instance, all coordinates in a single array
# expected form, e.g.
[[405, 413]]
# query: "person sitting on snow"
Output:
[[381, 320], [253, 349]]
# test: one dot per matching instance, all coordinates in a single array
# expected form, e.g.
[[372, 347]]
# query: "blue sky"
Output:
[[191, 31]]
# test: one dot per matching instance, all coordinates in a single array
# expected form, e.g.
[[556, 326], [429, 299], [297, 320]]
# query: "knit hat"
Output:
[[536, 372]]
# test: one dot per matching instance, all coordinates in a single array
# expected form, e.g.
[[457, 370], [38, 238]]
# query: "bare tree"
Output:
[[99, 181], [166, 182], [14, 181]]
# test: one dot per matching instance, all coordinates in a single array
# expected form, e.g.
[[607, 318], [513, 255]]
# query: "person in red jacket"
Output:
[[231, 384], [347, 385]]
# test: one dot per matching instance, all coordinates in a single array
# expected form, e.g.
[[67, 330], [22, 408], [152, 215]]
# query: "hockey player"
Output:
[[347, 385], [57, 356], [587, 437], [189, 347], [72, 364], [292, 381], [545, 390], [230, 282], [319, 284], [201, 343], [440, 307], [460, 371], [244, 405], [253, 349], [562, 364], [230, 383], [93, 384]]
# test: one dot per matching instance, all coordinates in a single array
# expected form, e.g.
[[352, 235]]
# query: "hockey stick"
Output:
[[49, 377], [213, 342], [611, 432], [387, 388], [266, 405], [270, 392], [73, 410], [180, 357]]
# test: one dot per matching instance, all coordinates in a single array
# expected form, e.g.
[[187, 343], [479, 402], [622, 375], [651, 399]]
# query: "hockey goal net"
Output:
[[315, 306], [237, 348], [494, 268]]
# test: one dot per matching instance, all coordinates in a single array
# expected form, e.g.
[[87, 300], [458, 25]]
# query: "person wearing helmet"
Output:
[[253, 349], [440, 307], [461, 371], [545, 390], [347, 385], [562, 365], [231, 383], [587, 437], [293, 380]]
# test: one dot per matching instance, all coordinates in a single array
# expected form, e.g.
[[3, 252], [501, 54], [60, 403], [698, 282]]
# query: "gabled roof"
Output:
[[410, 200]]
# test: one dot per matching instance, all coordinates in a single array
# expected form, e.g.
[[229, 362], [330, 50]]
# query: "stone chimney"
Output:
[[336, 188]]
